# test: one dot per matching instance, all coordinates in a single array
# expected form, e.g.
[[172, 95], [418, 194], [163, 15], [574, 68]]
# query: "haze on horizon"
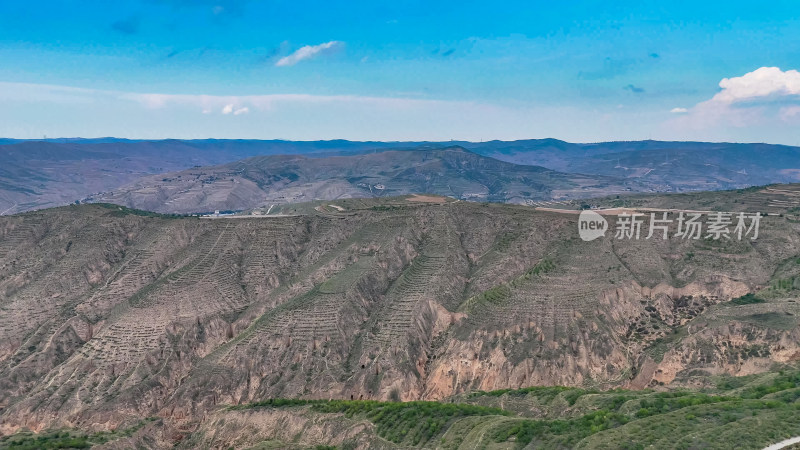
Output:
[[583, 72]]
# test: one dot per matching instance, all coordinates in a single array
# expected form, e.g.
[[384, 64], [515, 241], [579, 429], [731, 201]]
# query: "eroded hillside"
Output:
[[109, 316]]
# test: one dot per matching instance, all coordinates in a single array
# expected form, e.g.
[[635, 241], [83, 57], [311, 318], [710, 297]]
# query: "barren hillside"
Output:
[[109, 315]]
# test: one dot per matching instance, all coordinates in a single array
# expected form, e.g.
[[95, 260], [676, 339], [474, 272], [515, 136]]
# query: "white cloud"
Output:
[[207, 104], [27, 92], [679, 110], [229, 108], [759, 84], [307, 52], [242, 104], [756, 98]]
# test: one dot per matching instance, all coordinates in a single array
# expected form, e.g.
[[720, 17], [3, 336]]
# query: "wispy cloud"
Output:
[[679, 110], [28, 92], [243, 104], [278, 115], [308, 52], [286, 116], [206, 104]]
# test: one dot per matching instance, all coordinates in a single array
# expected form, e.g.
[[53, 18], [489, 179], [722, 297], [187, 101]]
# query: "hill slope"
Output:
[[55, 172], [111, 316], [262, 181], [676, 166], [752, 411]]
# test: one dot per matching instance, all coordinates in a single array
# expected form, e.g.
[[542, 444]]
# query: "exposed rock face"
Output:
[[107, 317]]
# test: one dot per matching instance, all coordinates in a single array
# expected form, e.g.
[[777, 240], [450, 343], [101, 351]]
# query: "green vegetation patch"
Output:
[[544, 394], [542, 267], [650, 418], [46, 440], [413, 423], [782, 382], [775, 320], [785, 284], [52, 439], [558, 433], [665, 402], [122, 211], [501, 294], [747, 299], [752, 411], [497, 295]]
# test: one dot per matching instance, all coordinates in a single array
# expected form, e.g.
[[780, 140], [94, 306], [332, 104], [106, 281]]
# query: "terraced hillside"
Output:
[[275, 180], [110, 316], [776, 199], [751, 411]]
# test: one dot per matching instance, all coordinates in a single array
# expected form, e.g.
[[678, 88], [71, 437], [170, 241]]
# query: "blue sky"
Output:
[[405, 70]]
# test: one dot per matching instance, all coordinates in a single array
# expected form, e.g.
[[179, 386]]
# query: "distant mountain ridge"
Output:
[[264, 180], [53, 172], [679, 165], [35, 174]]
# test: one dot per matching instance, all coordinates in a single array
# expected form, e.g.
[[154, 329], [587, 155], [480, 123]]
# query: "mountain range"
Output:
[[39, 174], [269, 180]]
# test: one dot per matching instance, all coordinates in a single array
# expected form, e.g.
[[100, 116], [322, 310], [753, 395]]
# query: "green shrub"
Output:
[[412, 422], [747, 299], [563, 432], [44, 441]]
